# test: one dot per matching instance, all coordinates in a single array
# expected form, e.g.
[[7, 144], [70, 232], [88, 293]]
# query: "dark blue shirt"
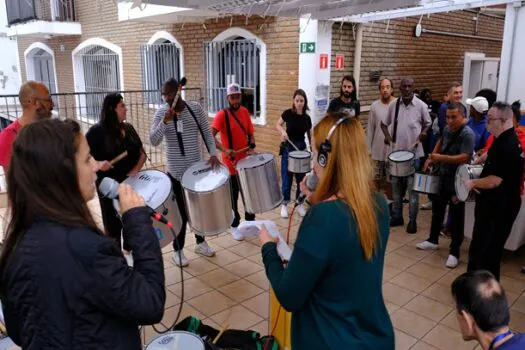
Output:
[[517, 342], [481, 132]]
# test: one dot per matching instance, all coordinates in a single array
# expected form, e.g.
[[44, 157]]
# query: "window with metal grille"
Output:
[[44, 71], [233, 61], [160, 62], [101, 75]]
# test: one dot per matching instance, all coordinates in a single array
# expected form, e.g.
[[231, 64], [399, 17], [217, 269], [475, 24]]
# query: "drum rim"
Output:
[[168, 194], [178, 332], [462, 198], [210, 191], [401, 161], [309, 155], [260, 165]]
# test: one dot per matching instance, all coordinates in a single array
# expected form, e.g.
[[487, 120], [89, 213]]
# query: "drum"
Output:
[[426, 183], [299, 162], [176, 340], [207, 195], [401, 163], [155, 187], [259, 183], [464, 173]]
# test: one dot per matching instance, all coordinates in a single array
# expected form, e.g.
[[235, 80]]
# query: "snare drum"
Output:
[[208, 199], [426, 183], [299, 162], [176, 340], [155, 187], [401, 163], [259, 183], [464, 173]]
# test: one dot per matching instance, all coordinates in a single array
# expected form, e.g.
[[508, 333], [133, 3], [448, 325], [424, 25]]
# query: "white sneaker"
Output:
[[284, 211], [236, 234], [427, 206], [128, 257], [179, 260], [426, 245], [204, 249], [301, 210], [452, 262]]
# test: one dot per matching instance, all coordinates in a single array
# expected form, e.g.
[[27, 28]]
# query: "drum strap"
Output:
[[227, 116], [179, 135], [394, 136], [199, 126]]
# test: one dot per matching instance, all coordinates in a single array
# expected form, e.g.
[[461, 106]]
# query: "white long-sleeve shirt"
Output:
[[376, 139]]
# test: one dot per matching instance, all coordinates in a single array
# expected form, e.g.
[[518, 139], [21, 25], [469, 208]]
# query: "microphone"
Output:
[[108, 188], [311, 182]]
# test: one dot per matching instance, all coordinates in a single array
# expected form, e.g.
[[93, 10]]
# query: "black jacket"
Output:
[[70, 288]]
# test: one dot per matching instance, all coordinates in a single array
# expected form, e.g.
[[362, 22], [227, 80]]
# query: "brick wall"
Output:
[[100, 19], [433, 60]]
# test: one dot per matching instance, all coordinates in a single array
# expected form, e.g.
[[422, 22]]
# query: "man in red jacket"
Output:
[[36, 104]]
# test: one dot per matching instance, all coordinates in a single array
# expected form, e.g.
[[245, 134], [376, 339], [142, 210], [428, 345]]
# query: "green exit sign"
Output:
[[308, 47]]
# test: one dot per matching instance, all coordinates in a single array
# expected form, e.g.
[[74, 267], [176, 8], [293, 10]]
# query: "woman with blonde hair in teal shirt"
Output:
[[333, 282]]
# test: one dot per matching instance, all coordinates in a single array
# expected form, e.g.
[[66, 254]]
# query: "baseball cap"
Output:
[[233, 89], [479, 103]]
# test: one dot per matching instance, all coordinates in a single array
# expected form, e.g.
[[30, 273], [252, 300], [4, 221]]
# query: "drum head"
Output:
[[200, 177], [401, 156], [254, 160], [176, 340], [153, 185], [299, 154], [462, 176]]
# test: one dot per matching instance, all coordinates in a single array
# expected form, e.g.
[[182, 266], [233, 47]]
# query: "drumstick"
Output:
[[177, 96], [294, 146], [473, 189], [118, 158], [3, 329], [224, 328]]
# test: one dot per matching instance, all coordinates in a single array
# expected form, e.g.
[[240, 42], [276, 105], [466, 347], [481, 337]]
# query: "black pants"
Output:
[[179, 242], [491, 229], [235, 189], [112, 221], [457, 212]]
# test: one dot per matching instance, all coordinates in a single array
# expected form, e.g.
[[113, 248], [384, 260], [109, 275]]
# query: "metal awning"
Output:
[[337, 10]]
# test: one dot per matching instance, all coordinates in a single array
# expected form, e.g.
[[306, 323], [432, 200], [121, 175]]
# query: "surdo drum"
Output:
[[464, 173], [299, 162]]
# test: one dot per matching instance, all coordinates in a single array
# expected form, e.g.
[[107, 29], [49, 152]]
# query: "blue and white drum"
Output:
[[155, 187]]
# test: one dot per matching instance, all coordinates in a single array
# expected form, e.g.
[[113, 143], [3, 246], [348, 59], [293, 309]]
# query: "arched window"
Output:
[[40, 66]]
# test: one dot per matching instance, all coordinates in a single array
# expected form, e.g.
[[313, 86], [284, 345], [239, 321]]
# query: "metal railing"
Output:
[[21, 11], [141, 105]]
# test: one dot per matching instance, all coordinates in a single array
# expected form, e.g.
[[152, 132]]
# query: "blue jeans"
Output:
[[401, 185], [287, 176]]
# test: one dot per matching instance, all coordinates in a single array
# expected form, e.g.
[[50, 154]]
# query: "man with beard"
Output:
[[376, 140], [347, 101], [36, 104], [411, 120], [236, 131], [181, 127]]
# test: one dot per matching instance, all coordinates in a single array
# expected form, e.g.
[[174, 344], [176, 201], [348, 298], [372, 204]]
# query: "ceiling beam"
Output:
[[330, 13], [427, 9]]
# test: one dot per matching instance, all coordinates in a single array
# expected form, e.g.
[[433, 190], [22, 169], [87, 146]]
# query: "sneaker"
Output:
[[427, 206], [204, 249], [284, 211], [236, 234], [452, 262], [179, 260], [426, 245], [301, 210], [412, 227]]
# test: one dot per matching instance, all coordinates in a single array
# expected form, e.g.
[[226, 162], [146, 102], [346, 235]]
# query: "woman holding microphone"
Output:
[[333, 282], [298, 124], [64, 284], [108, 139]]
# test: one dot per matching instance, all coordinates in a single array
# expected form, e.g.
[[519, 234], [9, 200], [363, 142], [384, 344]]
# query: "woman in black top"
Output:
[[109, 138], [298, 124], [64, 284]]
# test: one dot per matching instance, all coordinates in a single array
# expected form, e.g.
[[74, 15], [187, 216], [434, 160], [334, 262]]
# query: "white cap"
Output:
[[479, 103], [233, 89]]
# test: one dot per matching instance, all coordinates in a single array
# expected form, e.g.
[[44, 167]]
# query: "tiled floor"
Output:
[[232, 287]]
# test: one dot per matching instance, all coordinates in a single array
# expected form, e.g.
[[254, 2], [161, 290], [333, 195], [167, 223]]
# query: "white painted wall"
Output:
[[511, 84], [10, 74], [311, 77]]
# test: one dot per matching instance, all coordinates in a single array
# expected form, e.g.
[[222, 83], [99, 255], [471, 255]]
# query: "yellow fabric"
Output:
[[282, 322]]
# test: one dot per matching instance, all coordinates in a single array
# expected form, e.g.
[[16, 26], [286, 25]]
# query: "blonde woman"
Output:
[[333, 282]]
